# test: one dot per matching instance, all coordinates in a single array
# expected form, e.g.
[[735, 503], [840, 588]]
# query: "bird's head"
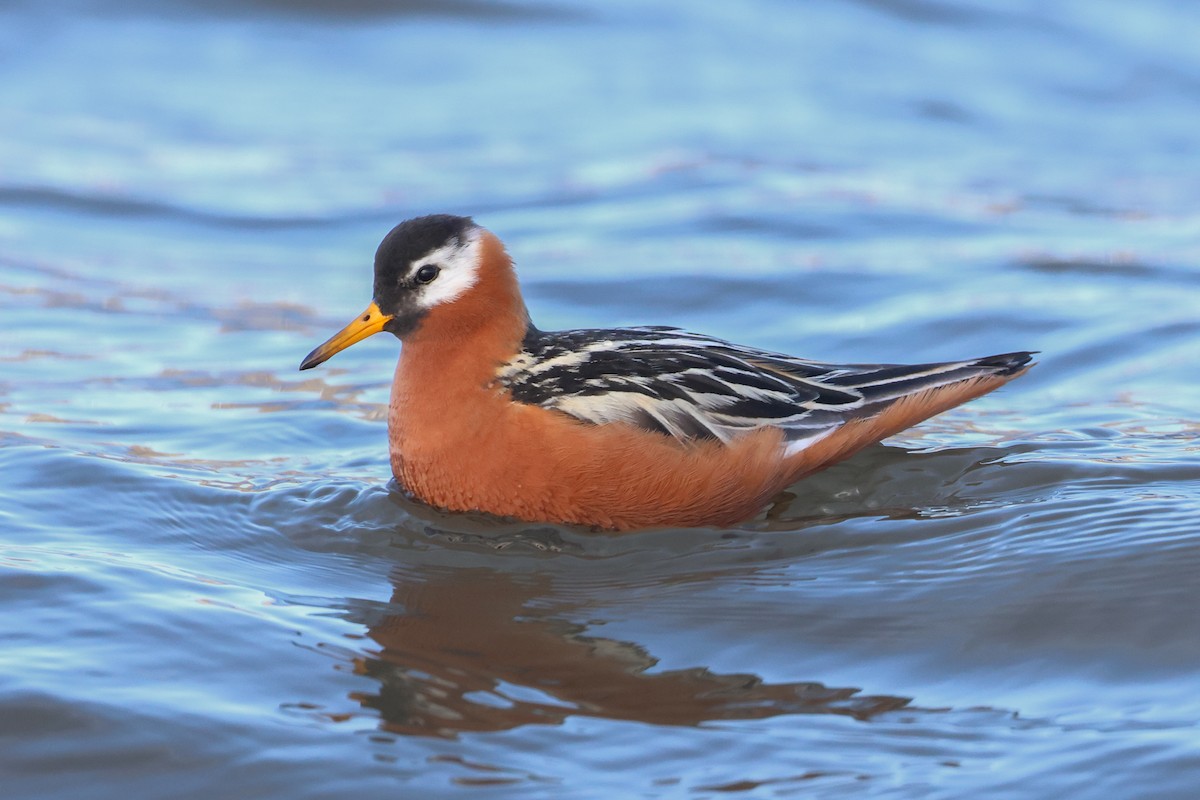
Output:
[[421, 264]]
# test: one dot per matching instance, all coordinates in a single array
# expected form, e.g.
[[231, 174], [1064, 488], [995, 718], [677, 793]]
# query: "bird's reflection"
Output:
[[491, 648], [479, 650]]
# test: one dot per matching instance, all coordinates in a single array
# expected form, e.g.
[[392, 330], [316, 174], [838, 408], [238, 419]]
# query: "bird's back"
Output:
[[693, 387]]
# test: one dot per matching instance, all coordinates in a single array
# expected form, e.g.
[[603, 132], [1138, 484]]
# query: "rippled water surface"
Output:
[[208, 587]]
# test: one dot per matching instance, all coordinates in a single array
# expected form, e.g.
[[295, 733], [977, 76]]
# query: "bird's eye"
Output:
[[426, 273]]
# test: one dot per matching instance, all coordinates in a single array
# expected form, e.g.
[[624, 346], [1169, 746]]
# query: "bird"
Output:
[[619, 429]]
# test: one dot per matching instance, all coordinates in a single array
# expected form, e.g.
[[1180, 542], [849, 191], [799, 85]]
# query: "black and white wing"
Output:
[[691, 386]]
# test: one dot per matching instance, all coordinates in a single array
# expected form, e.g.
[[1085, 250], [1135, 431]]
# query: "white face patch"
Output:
[[458, 266]]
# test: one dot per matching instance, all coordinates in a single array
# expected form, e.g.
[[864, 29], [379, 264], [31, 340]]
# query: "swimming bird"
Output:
[[615, 428]]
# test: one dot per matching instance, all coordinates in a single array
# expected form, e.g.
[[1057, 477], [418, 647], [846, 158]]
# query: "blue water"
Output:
[[208, 586]]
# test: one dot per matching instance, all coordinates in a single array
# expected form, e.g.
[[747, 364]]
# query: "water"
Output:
[[207, 581]]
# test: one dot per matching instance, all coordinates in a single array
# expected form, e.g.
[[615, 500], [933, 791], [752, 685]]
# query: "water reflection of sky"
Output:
[[316, 114]]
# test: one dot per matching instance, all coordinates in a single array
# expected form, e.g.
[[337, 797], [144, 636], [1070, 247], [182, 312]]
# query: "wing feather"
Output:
[[692, 387]]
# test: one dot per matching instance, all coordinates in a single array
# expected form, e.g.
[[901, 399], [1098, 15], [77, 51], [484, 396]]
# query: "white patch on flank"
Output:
[[798, 445], [459, 265]]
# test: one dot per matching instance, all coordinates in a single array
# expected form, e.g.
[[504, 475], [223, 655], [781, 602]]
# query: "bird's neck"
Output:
[[461, 345]]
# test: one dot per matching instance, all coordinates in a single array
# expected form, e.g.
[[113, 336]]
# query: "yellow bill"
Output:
[[368, 323]]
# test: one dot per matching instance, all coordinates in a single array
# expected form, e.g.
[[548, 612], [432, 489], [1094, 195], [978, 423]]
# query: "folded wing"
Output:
[[689, 386]]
